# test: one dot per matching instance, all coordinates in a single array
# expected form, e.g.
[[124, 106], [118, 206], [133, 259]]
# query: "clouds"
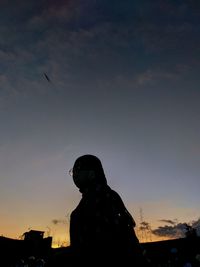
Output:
[[51, 15], [170, 231], [62, 221], [175, 230], [169, 222], [56, 221], [94, 39]]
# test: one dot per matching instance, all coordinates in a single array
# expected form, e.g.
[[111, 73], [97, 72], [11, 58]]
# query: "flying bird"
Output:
[[47, 77]]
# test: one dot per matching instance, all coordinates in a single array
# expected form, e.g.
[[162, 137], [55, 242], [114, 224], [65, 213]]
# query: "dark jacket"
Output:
[[102, 228]]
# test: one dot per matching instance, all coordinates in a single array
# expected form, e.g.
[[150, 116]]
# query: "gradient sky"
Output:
[[124, 85]]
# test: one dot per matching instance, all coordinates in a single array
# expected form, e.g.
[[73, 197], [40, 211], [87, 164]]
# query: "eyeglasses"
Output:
[[71, 172]]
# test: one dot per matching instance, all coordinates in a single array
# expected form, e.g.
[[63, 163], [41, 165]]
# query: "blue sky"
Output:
[[124, 85]]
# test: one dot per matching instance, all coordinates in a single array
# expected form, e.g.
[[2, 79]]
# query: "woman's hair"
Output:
[[91, 163]]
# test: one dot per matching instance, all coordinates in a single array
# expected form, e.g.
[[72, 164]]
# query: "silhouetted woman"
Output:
[[101, 228]]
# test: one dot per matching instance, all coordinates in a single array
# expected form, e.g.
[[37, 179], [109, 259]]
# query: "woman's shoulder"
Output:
[[114, 195]]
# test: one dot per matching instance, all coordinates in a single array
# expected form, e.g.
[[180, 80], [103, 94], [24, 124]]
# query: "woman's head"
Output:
[[88, 171]]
